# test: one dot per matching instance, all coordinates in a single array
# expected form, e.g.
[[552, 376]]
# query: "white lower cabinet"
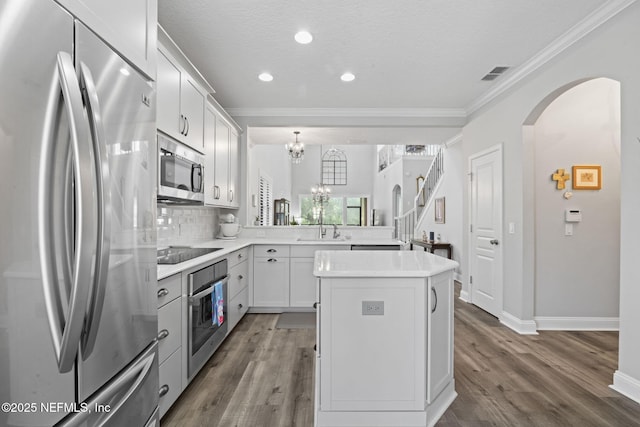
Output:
[[302, 283], [440, 335], [238, 307], [170, 381], [170, 330], [271, 281], [238, 286]]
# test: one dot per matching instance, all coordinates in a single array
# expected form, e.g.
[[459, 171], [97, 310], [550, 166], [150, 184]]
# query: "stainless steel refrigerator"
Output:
[[78, 315]]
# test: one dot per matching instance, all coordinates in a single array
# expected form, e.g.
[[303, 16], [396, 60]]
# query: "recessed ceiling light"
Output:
[[303, 37], [265, 77], [347, 77]]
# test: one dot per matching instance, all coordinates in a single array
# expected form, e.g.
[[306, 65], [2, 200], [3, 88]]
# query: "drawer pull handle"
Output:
[[163, 292], [271, 251], [239, 256], [163, 334], [272, 260], [163, 390]]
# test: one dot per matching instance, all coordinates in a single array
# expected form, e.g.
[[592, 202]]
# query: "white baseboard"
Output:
[[626, 385], [464, 296], [577, 323], [523, 327]]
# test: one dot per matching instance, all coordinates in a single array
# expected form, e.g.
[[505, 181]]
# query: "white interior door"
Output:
[[485, 282]]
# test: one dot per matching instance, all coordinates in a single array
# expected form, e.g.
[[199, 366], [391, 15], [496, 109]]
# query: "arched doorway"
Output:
[[574, 266]]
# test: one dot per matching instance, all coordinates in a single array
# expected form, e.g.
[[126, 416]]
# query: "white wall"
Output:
[[272, 161], [608, 51], [454, 165], [582, 126]]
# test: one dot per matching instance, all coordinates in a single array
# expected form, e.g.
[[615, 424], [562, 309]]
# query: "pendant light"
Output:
[[296, 150]]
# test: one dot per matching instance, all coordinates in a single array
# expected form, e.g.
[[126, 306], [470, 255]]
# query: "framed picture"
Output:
[[587, 177], [419, 181], [439, 210]]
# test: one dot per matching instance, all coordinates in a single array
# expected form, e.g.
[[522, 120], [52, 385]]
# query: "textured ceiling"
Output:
[[405, 54]]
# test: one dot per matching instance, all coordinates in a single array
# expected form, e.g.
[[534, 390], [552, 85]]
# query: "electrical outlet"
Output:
[[372, 308], [512, 228]]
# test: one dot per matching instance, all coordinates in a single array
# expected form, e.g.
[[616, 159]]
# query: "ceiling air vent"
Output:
[[495, 73]]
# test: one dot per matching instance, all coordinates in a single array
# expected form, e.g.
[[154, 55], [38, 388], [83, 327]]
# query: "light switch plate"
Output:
[[568, 229]]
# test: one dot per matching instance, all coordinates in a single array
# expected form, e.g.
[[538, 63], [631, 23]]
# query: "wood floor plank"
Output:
[[264, 377]]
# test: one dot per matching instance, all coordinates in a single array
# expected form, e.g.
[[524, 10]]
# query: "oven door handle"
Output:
[[195, 298]]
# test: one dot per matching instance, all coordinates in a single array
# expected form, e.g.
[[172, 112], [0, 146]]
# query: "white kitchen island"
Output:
[[384, 338]]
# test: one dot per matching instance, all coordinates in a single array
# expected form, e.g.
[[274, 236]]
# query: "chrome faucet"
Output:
[[321, 230], [335, 232]]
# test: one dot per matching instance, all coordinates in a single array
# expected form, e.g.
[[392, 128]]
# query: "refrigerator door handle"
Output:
[[103, 187], [66, 330], [116, 393]]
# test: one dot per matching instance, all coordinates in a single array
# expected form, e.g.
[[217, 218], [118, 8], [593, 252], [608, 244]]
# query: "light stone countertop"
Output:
[[380, 264], [228, 246]]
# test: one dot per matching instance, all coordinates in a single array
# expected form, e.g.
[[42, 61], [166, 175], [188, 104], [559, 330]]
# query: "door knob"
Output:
[[494, 242]]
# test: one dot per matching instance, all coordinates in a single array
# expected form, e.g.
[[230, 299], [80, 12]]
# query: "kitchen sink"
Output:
[[315, 239]]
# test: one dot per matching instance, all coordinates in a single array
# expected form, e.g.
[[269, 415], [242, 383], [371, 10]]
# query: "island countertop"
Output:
[[380, 264]]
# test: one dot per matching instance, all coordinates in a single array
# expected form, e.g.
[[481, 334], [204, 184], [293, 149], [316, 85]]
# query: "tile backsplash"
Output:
[[185, 224]]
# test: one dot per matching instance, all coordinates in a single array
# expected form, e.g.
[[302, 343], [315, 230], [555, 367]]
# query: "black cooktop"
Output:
[[173, 255]]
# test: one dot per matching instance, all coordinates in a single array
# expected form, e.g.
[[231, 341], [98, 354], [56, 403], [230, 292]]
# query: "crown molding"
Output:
[[577, 32], [454, 140], [349, 112]]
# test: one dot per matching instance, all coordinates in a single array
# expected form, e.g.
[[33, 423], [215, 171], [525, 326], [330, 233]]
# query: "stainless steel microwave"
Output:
[[180, 172]]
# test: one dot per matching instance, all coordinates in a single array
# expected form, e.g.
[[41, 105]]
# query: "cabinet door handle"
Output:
[[163, 334], [231, 194], [315, 305], [435, 300], [182, 124], [272, 260], [186, 132], [163, 292], [271, 251], [240, 277], [163, 390], [240, 306]]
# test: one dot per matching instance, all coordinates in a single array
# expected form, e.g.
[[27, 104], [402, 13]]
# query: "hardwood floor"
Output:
[[263, 377]]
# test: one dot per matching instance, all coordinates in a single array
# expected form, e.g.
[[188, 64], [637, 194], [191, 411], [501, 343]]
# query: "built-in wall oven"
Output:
[[180, 172], [207, 305]]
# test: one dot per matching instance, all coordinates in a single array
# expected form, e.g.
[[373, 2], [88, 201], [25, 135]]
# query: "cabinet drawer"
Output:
[[169, 328], [169, 289], [170, 381], [238, 278], [309, 251], [237, 257], [271, 251], [238, 307]]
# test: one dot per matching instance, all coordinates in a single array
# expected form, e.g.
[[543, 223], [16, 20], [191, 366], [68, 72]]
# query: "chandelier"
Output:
[[296, 150], [320, 194]]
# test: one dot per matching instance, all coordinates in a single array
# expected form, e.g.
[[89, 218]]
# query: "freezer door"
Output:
[[125, 400], [33, 32], [122, 315]]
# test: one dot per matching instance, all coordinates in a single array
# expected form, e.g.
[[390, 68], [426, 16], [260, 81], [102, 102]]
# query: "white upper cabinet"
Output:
[[222, 164], [180, 108], [129, 26]]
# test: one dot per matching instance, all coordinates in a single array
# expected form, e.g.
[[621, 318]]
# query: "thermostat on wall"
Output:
[[573, 215]]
